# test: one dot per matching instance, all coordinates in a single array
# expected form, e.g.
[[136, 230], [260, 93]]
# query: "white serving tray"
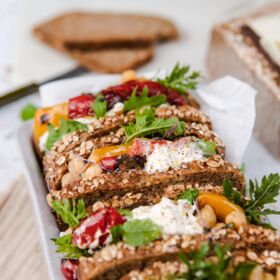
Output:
[[38, 191]]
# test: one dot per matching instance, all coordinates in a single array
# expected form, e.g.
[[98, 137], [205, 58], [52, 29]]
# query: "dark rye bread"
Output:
[[213, 170], [107, 132], [84, 30], [116, 261], [112, 60]]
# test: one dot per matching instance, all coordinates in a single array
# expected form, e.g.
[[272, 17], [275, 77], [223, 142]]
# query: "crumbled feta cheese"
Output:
[[118, 107], [174, 217], [43, 141], [172, 155], [86, 120]]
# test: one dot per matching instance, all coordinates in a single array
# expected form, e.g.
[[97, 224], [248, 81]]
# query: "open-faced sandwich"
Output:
[[140, 187]]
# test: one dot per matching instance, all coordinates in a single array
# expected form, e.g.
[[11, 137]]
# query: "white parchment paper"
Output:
[[229, 102]]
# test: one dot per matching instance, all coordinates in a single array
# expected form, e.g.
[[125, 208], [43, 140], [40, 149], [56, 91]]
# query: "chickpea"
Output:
[[128, 75], [256, 273], [208, 216], [92, 171], [237, 218], [268, 276], [277, 277], [76, 165], [67, 179]]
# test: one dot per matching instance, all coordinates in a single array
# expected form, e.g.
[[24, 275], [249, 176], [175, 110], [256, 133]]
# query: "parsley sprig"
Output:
[[136, 102], [136, 232], [65, 127], [190, 195], [28, 112], [259, 196], [70, 213], [99, 106], [65, 246], [208, 147], [147, 124], [201, 267], [181, 79]]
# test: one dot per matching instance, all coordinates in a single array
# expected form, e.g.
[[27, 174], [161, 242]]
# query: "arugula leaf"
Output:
[[125, 212], [140, 232], [136, 102], [28, 112], [180, 79], [189, 195], [66, 126], [200, 267], [146, 124], [243, 270], [208, 147], [70, 214], [230, 193], [117, 233], [65, 246], [259, 196], [99, 106]]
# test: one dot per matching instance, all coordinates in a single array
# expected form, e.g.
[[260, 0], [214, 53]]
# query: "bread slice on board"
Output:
[[107, 60], [98, 30], [113, 60]]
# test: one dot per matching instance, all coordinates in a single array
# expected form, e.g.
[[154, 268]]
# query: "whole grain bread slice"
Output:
[[213, 170], [115, 261], [84, 30], [107, 132], [109, 60], [113, 60]]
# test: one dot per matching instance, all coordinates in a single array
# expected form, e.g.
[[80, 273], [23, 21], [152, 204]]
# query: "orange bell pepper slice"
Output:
[[48, 115], [220, 204], [110, 151]]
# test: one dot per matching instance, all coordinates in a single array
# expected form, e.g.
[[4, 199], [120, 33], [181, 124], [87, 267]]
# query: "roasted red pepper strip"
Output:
[[69, 269], [94, 231], [80, 106]]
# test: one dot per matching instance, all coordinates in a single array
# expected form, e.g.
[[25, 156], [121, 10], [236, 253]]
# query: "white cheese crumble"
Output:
[[117, 108], [43, 141], [172, 156], [174, 217]]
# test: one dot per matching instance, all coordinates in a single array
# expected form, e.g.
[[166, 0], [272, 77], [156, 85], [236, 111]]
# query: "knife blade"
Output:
[[34, 87]]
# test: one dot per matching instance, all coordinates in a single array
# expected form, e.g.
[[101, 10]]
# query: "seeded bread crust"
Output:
[[102, 30], [112, 262], [107, 132], [213, 171], [155, 194]]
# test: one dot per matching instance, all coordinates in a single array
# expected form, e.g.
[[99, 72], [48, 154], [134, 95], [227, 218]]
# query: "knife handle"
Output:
[[18, 93]]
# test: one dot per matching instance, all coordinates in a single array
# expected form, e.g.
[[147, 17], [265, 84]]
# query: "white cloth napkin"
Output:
[[229, 102]]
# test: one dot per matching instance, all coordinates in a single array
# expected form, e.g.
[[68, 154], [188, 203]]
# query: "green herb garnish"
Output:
[[208, 147], [125, 212], [181, 79], [136, 232], [259, 196], [28, 112], [147, 124], [136, 102], [70, 213], [200, 267], [189, 195], [65, 127], [65, 246], [99, 106]]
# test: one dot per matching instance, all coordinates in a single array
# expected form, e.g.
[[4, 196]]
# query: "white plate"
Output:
[[38, 190]]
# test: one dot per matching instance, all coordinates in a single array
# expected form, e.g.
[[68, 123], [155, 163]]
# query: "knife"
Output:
[[34, 87]]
